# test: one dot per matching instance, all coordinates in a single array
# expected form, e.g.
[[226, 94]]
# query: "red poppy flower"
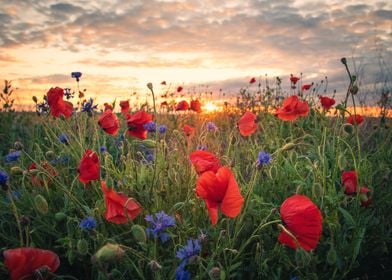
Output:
[[136, 124], [57, 105], [294, 79], [23, 262], [306, 87], [163, 83], [355, 119], [292, 108], [196, 106], [119, 207], [204, 161], [327, 102], [109, 122], [253, 80], [40, 179], [189, 130], [220, 189], [124, 105], [182, 106], [247, 124], [89, 167], [303, 220], [350, 181], [108, 106], [179, 89]]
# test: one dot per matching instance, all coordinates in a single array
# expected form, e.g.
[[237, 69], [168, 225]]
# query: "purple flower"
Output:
[[162, 129], [88, 107], [3, 178], [88, 223], [159, 223], [211, 126], [181, 273], [63, 138], [190, 251], [150, 126], [263, 158], [103, 149], [202, 148], [76, 75], [12, 156]]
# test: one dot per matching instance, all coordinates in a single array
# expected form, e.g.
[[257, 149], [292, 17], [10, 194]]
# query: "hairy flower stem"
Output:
[[17, 217]]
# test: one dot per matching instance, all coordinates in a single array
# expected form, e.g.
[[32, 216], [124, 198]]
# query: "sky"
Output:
[[202, 45]]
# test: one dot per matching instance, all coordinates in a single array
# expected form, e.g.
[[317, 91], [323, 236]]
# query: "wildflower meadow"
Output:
[[283, 184]]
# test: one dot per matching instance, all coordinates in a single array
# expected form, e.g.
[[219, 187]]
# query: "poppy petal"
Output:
[[204, 161], [246, 124], [232, 201]]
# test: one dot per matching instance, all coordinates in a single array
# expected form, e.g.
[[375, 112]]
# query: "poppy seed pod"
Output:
[[354, 89], [149, 85], [331, 256]]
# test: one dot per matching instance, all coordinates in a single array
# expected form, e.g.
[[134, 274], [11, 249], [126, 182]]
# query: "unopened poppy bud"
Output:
[[18, 146], [150, 144], [348, 128], [331, 256], [154, 265], [35, 99], [288, 146], [41, 204], [215, 273], [50, 155], [342, 162], [82, 246], [16, 170], [149, 85], [139, 233], [108, 253], [60, 216], [343, 60], [354, 89]]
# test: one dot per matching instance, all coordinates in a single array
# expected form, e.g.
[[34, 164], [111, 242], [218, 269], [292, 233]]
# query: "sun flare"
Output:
[[210, 107]]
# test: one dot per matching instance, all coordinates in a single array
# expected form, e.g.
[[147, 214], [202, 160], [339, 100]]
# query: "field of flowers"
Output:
[[268, 190]]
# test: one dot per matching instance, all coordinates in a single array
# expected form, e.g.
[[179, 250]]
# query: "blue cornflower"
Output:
[[150, 126], [88, 223], [68, 94], [76, 75], [3, 178], [160, 222], [12, 156], [14, 195], [63, 138], [150, 157], [190, 251], [211, 126], [181, 273], [103, 149], [263, 158], [162, 128], [87, 106]]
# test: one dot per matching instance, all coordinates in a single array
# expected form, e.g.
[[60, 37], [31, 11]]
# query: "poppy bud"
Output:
[[108, 253], [60, 216], [342, 162], [154, 265], [149, 85], [288, 146], [18, 146], [139, 233], [16, 170], [215, 273], [343, 60], [41, 204], [35, 99], [331, 256], [354, 89], [82, 246], [50, 155], [348, 128], [148, 143]]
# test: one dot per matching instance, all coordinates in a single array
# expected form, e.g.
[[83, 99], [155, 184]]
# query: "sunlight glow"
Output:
[[210, 107]]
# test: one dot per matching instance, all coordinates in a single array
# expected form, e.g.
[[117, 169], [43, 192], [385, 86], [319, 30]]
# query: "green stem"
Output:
[[16, 215]]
